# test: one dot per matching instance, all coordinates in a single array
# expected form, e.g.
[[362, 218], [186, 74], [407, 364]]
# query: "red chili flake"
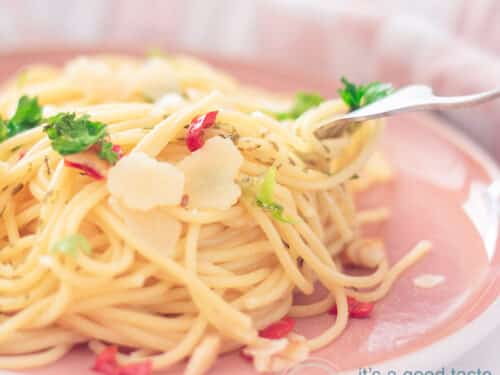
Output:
[[356, 309], [118, 150], [105, 362], [184, 200], [245, 356], [279, 329], [89, 171], [194, 138], [22, 154]]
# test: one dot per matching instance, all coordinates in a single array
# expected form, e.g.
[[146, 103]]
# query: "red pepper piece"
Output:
[[356, 309], [22, 153], [245, 356], [279, 329], [194, 138], [105, 362], [89, 171], [143, 368], [118, 150]]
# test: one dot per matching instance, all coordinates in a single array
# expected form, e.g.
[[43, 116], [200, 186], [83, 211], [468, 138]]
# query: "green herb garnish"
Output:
[[356, 96], [303, 102], [107, 153], [265, 197], [70, 134], [28, 115], [72, 245]]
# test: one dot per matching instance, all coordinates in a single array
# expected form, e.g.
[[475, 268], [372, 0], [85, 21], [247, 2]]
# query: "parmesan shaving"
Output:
[[155, 227], [210, 174], [428, 281], [141, 182]]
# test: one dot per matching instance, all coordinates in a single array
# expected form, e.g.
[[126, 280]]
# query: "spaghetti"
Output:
[[191, 225]]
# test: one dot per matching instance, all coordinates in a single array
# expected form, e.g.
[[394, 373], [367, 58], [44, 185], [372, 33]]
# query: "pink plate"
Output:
[[411, 327]]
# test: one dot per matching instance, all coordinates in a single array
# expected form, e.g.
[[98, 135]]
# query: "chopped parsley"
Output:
[[356, 96], [108, 153], [27, 116], [303, 102], [70, 134], [265, 197], [72, 245]]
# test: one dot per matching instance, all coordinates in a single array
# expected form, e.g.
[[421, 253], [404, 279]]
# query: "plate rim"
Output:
[[455, 344]]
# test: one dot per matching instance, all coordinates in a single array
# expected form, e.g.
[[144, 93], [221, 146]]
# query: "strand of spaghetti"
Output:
[[181, 351], [165, 131], [310, 214], [337, 216], [284, 258], [338, 327], [9, 219], [89, 328], [330, 277], [313, 309], [82, 202], [204, 217], [275, 292], [13, 323], [145, 296], [160, 324], [21, 300], [56, 308], [198, 288], [110, 268], [141, 338], [34, 360], [327, 183], [30, 342], [422, 248], [267, 315]]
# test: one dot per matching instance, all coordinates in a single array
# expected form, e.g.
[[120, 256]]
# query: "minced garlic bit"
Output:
[[141, 182], [210, 174], [155, 227], [428, 281], [278, 355]]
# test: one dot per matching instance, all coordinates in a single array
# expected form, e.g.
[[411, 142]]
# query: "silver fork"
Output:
[[406, 99]]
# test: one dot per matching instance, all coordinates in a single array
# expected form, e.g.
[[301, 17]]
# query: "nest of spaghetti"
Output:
[[156, 210]]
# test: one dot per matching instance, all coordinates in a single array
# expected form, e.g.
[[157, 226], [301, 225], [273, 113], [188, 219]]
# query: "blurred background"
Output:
[[453, 45]]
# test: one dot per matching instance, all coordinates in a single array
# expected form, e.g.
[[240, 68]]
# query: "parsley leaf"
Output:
[[303, 102], [28, 115], [107, 153], [4, 131], [356, 96], [72, 244], [265, 197], [70, 134]]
